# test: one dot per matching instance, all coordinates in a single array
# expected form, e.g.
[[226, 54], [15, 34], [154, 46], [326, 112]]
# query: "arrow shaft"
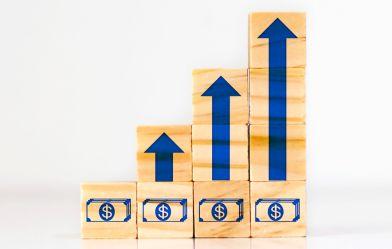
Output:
[[277, 109], [163, 167], [221, 138], [221, 110], [220, 152]]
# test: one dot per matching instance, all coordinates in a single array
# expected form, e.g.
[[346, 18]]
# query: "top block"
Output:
[[164, 153], [220, 96], [276, 39]]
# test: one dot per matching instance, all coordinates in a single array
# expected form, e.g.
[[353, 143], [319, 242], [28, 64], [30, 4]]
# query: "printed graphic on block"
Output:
[[220, 96], [276, 100], [220, 152], [165, 209], [164, 153], [222, 209], [278, 209], [108, 210], [276, 156], [277, 40]]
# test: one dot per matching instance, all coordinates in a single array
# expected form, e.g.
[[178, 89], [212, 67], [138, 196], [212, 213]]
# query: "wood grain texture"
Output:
[[295, 152], [107, 230], [182, 162], [279, 190], [259, 97], [258, 48], [202, 105], [202, 152], [222, 190], [159, 190]]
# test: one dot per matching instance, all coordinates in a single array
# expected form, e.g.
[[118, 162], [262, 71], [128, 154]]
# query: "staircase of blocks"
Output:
[[239, 170]]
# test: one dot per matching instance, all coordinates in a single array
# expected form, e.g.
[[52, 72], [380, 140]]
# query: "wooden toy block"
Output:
[[222, 209], [278, 209], [277, 152], [108, 210], [265, 104], [276, 38], [220, 96], [165, 209], [164, 153], [220, 152]]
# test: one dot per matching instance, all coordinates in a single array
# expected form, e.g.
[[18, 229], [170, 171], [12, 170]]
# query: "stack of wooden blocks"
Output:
[[239, 170]]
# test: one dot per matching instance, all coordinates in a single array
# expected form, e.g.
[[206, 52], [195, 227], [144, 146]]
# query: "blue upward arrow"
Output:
[[164, 148], [277, 33], [220, 91]]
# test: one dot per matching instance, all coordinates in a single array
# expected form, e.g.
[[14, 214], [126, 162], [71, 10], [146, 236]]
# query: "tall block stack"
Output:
[[239, 170]]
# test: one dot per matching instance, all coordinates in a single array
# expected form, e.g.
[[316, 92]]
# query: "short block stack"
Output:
[[239, 170]]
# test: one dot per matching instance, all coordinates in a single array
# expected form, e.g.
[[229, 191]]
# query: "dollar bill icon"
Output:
[[277, 210], [108, 210], [164, 210], [221, 210]]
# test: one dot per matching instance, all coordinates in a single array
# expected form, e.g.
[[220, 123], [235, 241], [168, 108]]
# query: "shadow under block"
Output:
[[295, 152], [161, 157], [259, 96], [230, 92], [222, 209], [165, 209], [278, 209], [221, 158], [259, 47], [108, 210]]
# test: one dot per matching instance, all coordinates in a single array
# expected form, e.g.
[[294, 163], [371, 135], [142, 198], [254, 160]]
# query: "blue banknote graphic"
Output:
[[108, 210], [164, 210], [277, 210]]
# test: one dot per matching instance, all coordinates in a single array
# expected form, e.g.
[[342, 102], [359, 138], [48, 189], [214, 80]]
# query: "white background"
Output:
[[77, 77]]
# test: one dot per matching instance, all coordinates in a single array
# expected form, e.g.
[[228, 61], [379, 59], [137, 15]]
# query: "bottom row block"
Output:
[[193, 209]]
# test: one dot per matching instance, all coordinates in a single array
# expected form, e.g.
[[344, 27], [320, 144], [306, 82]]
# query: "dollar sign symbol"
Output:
[[163, 211], [275, 211], [219, 211], [106, 211]]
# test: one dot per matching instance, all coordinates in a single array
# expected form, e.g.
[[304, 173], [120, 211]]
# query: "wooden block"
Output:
[[227, 89], [220, 156], [108, 210], [165, 209], [164, 153], [262, 166], [222, 209], [272, 30], [278, 209], [260, 99]]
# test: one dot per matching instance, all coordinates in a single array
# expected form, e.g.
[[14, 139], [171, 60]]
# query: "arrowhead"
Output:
[[220, 88], [277, 30], [164, 144]]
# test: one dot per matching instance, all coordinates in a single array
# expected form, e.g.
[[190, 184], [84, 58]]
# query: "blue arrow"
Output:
[[220, 91], [277, 33], [164, 148]]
